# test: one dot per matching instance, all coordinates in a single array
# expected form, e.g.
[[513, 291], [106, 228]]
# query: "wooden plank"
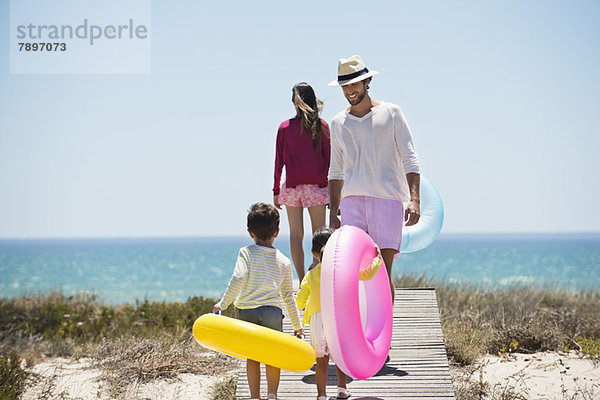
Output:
[[417, 368]]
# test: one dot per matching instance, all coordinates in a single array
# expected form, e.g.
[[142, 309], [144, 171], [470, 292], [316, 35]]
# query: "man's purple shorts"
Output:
[[382, 219]]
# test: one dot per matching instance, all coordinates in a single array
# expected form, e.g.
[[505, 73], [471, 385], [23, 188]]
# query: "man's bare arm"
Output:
[[413, 209], [335, 195]]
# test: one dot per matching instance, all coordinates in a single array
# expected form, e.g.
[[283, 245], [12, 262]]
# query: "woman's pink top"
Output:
[[294, 149]]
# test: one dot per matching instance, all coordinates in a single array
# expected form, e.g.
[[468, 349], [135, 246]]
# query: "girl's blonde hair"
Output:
[[309, 107]]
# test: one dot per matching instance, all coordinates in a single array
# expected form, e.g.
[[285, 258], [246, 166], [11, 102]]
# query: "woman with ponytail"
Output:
[[303, 148]]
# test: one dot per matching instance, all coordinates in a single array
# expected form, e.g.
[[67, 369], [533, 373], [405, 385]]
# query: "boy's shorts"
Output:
[[303, 195], [382, 219], [267, 316]]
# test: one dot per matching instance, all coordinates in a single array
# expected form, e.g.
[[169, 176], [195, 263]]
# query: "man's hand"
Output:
[[335, 196], [413, 209], [276, 201], [334, 220], [412, 213], [216, 309], [299, 333]]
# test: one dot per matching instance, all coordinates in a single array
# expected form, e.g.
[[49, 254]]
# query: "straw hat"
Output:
[[351, 70]]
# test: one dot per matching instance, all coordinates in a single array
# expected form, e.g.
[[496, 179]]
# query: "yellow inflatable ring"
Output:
[[245, 340]]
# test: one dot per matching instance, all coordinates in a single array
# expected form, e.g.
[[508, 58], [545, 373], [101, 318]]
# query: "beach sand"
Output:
[[61, 378], [545, 376], [539, 376]]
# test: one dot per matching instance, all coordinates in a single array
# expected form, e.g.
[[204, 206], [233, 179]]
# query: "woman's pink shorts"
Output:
[[303, 196]]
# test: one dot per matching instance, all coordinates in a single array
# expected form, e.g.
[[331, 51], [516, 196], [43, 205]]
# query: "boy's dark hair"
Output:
[[263, 220], [320, 237]]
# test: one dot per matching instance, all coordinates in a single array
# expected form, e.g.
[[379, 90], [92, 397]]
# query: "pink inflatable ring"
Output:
[[357, 315]]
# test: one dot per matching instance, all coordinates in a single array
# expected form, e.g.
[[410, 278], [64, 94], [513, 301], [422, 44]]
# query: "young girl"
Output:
[[309, 296], [303, 147]]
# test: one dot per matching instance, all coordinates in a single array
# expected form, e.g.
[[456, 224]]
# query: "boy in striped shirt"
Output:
[[262, 278]]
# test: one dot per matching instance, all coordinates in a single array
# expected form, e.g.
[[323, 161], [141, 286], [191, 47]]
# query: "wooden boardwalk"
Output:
[[417, 367]]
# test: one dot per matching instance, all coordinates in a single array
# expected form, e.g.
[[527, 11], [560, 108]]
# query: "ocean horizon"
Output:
[[123, 270]]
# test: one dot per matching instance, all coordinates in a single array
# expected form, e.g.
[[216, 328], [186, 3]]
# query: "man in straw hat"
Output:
[[374, 167]]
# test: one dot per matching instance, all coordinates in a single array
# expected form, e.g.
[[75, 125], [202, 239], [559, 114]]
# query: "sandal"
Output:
[[343, 393], [322, 397]]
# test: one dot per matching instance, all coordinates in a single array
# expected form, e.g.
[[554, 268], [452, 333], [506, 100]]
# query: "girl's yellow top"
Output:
[[309, 294]]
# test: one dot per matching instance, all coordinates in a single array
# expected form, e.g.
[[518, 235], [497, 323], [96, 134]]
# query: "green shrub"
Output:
[[82, 319], [12, 376], [589, 348], [224, 389], [464, 344]]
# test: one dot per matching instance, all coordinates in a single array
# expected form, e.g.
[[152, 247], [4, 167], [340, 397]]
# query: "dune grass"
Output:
[[133, 361], [475, 321]]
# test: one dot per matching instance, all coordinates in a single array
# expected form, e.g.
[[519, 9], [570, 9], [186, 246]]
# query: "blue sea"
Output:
[[123, 270]]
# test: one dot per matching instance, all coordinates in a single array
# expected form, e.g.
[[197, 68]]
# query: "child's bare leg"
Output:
[[341, 377], [253, 373], [321, 371], [273, 374], [295, 218]]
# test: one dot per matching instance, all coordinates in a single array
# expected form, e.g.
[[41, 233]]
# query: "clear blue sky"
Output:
[[503, 100]]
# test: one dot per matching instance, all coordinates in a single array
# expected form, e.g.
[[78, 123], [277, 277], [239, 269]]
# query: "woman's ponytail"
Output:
[[309, 107]]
